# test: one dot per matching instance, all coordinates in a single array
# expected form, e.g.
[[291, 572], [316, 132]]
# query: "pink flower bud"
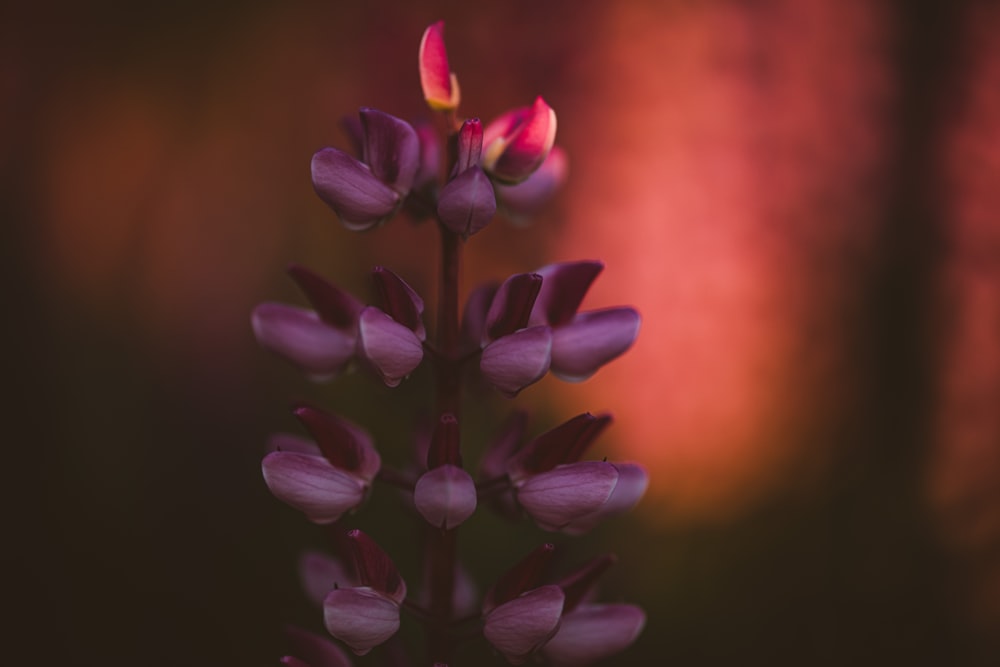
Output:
[[440, 86], [516, 143]]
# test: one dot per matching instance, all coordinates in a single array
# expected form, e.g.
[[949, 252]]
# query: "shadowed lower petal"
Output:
[[360, 617], [591, 340], [593, 632], [350, 188], [520, 627], [513, 362], [567, 492], [310, 484], [445, 496], [300, 336], [393, 349]]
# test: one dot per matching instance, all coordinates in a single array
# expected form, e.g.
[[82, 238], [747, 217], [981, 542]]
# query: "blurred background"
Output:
[[800, 196]]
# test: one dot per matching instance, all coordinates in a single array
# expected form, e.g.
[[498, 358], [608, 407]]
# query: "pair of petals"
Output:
[[392, 349], [520, 627], [445, 496]]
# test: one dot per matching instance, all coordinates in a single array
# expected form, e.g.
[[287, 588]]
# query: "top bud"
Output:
[[439, 84], [516, 143]]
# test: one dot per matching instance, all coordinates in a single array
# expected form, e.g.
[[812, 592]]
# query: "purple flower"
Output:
[[327, 478], [445, 495], [581, 342], [366, 615], [366, 192], [467, 202]]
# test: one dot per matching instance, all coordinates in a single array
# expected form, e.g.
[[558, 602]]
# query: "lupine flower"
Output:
[[467, 202], [560, 492], [525, 199], [364, 193], [391, 340], [445, 495], [590, 632], [519, 615], [319, 341], [516, 143], [581, 342], [312, 650], [326, 478], [366, 615], [439, 84]]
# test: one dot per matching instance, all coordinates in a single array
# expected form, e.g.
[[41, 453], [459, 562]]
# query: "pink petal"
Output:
[[513, 362], [520, 627], [593, 632], [348, 187], [567, 492], [438, 83], [393, 349], [310, 484], [515, 156], [445, 496], [360, 617], [300, 336], [591, 340], [320, 574]]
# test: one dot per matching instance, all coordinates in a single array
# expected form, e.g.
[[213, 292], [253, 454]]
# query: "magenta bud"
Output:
[[470, 145], [516, 143], [439, 85], [445, 496]]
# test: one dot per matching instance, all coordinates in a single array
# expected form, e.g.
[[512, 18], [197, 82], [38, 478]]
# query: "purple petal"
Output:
[[525, 575], [445, 496], [391, 149], [470, 145], [393, 349], [513, 362], [300, 336], [402, 303], [474, 315], [632, 483], [345, 445], [315, 650], [567, 492], [334, 306], [467, 203], [374, 567], [512, 305], [320, 574], [520, 627], [593, 632], [348, 187], [565, 443], [591, 340], [530, 195], [310, 484], [360, 617], [563, 288]]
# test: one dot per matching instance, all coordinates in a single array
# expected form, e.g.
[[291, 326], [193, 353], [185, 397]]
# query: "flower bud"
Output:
[[440, 86], [516, 143]]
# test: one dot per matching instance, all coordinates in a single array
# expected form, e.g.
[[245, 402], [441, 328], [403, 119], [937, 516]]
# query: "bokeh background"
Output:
[[802, 198]]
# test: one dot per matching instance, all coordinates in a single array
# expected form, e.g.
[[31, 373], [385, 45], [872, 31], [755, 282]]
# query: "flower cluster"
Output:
[[511, 334]]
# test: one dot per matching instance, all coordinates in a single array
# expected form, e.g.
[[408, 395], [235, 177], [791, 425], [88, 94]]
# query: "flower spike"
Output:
[[440, 86]]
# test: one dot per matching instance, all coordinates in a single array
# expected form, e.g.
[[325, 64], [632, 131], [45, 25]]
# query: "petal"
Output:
[[515, 156], [530, 195], [391, 149], [520, 627], [593, 632], [310, 484], [512, 305], [525, 575], [300, 336], [374, 567], [314, 650], [391, 348], [563, 288], [320, 574], [565, 443], [567, 492], [513, 362], [345, 445], [438, 83], [591, 340], [348, 187], [334, 306], [470, 145], [467, 203], [360, 617], [632, 483], [445, 496], [402, 303]]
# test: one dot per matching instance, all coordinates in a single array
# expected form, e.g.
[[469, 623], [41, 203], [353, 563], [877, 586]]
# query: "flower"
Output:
[[439, 84], [366, 192], [391, 340], [326, 478], [445, 495], [364, 616], [467, 202], [516, 143], [581, 342]]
